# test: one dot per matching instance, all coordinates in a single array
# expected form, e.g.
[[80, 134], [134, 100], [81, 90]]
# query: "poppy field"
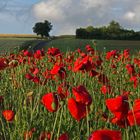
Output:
[[77, 95]]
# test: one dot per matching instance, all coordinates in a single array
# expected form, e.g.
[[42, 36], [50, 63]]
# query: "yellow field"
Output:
[[17, 35]]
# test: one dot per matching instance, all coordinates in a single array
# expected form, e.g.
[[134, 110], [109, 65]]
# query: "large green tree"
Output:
[[43, 28]]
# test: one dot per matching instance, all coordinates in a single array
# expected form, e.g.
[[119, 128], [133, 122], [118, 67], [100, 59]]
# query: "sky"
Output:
[[19, 16]]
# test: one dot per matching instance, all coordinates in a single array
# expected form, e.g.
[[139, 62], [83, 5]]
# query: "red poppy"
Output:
[[137, 62], [34, 70], [134, 117], [130, 69], [89, 49], [28, 134], [39, 54], [50, 101], [134, 80], [53, 51], [134, 114], [27, 53], [3, 63], [44, 135], [82, 95], [76, 109], [29, 76], [103, 79], [82, 64], [57, 69], [93, 73], [119, 106], [126, 53], [8, 115], [64, 137], [106, 135], [105, 89], [123, 123], [111, 54], [62, 90]]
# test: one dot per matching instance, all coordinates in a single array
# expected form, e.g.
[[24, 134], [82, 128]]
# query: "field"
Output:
[[74, 95], [64, 43], [102, 45], [78, 95]]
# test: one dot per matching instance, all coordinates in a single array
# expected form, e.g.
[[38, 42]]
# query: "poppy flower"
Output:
[[82, 64], [126, 53], [44, 135], [50, 101], [34, 70], [111, 54], [8, 115], [119, 106], [134, 117], [3, 63], [106, 135], [105, 89], [130, 69], [134, 114], [123, 123], [93, 73], [57, 69], [82, 95], [89, 49], [39, 54], [103, 79], [134, 80], [27, 53], [29, 76], [53, 51], [76, 109], [62, 90], [64, 137], [28, 134]]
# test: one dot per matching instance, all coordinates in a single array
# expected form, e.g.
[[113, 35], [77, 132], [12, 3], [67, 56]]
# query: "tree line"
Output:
[[113, 31]]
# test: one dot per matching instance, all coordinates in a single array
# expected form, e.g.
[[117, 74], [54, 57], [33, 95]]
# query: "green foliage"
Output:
[[42, 28], [112, 31]]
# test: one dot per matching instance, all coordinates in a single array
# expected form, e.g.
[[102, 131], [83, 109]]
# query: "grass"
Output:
[[106, 45], [64, 43], [24, 95]]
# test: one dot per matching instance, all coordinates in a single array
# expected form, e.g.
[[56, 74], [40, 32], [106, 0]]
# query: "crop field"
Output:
[[76, 95], [64, 43], [102, 45]]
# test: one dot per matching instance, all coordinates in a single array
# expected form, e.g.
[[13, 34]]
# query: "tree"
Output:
[[42, 28]]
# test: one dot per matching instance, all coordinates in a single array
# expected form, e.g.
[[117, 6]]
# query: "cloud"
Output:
[[129, 15], [67, 15]]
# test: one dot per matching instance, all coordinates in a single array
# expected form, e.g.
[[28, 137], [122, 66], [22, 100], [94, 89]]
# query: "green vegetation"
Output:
[[112, 31], [42, 28], [65, 43], [47, 96], [102, 45]]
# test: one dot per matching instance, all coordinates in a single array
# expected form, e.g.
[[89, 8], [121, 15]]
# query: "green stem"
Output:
[[60, 123]]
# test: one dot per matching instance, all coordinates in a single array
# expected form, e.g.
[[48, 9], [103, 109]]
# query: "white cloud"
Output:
[[48, 10], [67, 15], [129, 15]]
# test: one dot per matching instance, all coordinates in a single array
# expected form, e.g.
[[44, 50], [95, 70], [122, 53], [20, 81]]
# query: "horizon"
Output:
[[18, 17]]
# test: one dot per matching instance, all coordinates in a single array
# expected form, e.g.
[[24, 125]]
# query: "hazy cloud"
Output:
[[70, 14], [67, 15]]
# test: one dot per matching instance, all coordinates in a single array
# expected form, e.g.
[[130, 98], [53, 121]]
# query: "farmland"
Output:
[[64, 43], [70, 96]]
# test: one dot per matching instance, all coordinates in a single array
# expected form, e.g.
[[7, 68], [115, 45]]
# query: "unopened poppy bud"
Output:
[[53, 106]]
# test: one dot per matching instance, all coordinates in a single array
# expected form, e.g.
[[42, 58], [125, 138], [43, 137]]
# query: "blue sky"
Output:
[[19, 16]]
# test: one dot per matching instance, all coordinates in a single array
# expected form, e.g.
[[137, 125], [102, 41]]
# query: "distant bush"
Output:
[[112, 31]]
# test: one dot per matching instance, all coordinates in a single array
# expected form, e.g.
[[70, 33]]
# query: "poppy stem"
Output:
[[88, 133], [60, 123], [54, 124]]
